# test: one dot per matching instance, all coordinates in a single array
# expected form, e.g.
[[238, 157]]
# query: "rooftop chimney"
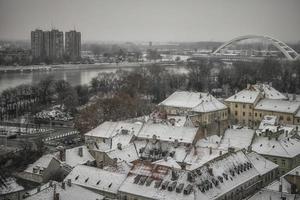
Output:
[[69, 182], [80, 151], [119, 145], [210, 150], [63, 185], [62, 154]]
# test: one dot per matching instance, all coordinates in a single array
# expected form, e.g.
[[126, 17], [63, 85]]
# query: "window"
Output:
[[244, 106], [243, 113], [256, 114], [288, 118], [260, 115], [280, 118], [250, 106], [283, 162], [236, 105], [250, 114], [236, 113]]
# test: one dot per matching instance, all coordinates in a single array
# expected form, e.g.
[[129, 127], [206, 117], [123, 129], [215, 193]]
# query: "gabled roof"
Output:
[[127, 153], [195, 101], [73, 158], [110, 129], [278, 106], [72, 192], [237, 138], [244, 96], [168, 133], [269, 92], [96, 179]]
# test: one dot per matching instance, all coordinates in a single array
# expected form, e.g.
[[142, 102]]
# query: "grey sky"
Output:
[[153, 20]]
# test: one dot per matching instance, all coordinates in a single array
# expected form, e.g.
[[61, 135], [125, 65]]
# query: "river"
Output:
[[75, 75]]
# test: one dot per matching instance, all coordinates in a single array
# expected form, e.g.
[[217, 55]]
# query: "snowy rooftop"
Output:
[[268, 120], [261, 164], [210, 141], [110, 129], [168, 162], [73, 158], [72, 192], [237, 138], [9, 185], [269, 91], [209, 181], [287, 147], [200, 155], [97, 179], [42, 163], [244, 96], [265, 194], [168, 133], [278, 106], [127, 153], [196, 101]]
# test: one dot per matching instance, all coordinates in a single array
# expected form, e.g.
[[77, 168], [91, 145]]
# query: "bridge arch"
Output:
[[287, 51]]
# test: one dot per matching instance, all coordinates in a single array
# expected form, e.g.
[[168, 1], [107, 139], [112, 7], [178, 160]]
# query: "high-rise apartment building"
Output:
[[47, 44], [73, 44], [37, 47]]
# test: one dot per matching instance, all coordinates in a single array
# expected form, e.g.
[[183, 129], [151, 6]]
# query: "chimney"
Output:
[[210, 150], [38, 189], [248, 86], [69, 182], [294, 96], [280, 188], [80, 151], [56, 196], [63, 185], [119, 145], [220, 153], [50, 183], [62, 154]]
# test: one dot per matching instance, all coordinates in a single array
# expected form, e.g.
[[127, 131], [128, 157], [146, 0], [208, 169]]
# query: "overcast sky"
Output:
[[153, 20]]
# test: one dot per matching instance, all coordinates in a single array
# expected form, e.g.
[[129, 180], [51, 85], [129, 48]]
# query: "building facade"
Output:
[[37, 45], [73, 45]]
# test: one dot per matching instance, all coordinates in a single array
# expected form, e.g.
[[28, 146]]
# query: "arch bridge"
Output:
[[287, 51]]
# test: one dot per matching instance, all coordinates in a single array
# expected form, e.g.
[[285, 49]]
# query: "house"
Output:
[[241, 106], [107, 139], [10, 189], [100, 181], [42, 169], [61, 191], [284, 110], [279, 148], [203, 109], [234, 175]]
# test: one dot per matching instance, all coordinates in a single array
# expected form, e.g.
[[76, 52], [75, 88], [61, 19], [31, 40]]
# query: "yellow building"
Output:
[[241, 106], [203, 109]]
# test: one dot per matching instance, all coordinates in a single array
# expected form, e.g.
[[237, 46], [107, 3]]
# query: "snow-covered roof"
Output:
[[265, 194], [210, 141], [268, 120], [287, 147], [269, 91], [72, 192], [9, 185], [110, 129], [73, 158], [42, 163], [96, 179], [168, 133], [195, 101], [143, 178], [168, 162], [261, 164], [127, 153], [200, 155], [237, 138], [244, 96], [278, 106]]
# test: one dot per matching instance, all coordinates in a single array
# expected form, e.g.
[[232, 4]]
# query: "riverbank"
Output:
[[78, 66]]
